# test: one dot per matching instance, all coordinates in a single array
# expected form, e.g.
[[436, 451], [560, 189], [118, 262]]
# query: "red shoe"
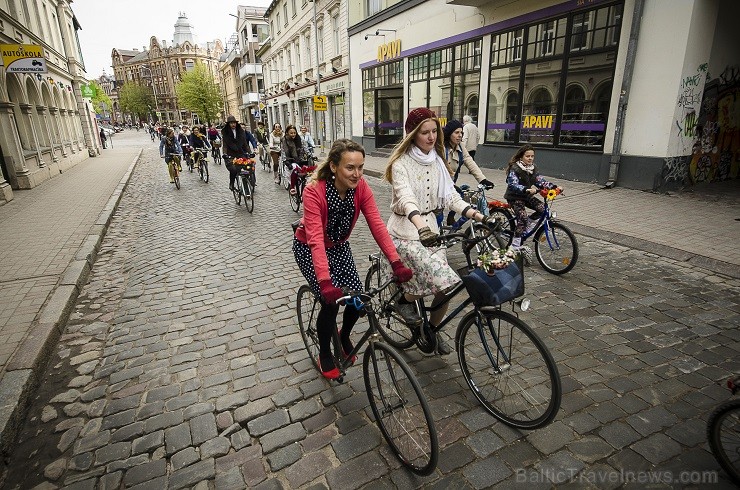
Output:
[[344, 354], [330, 374]]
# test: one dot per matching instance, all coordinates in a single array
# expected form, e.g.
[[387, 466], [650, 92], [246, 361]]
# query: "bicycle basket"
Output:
[[493, 289]]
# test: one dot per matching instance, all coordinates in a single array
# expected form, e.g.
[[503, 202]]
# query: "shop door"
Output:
[[388, 117]]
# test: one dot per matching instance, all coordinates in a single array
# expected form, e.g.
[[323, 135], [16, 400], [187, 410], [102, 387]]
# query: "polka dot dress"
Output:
[[342, 267]]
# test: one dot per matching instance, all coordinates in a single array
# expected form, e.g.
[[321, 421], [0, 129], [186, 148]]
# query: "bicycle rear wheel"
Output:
[[390, 325], [723, 433], [506, 235], [307, 309], [556, 249], [295, 200], [509, 369], [400, 408], [248, 194]]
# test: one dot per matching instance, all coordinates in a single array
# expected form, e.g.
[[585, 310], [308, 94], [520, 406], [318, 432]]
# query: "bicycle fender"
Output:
[[463, 320]]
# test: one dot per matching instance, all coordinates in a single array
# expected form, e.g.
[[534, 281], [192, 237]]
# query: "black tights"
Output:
[[327, 321]]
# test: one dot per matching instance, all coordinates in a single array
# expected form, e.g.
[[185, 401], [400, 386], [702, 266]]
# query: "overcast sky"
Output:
[[129, 24]]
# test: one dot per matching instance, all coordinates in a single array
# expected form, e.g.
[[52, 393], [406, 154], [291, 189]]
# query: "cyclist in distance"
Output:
[[261, 136], [293, 152], [308, 141], [332, 204], [422, 188], [212, 133], [523, 182], [236, 144], [198, 141], [276, 141], [168, 147], [456, 156]]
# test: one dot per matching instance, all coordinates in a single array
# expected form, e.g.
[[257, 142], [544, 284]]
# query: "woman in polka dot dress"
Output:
[[332, 202]]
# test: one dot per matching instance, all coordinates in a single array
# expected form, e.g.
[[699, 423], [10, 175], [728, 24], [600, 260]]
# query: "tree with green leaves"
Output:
[[100, 100], [135, 99], [197, 92]]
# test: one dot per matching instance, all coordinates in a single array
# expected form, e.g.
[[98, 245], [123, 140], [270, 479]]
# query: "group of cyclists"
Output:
[[194, 144]]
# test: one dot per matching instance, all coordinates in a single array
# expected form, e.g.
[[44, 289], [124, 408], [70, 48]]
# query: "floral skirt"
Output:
[[432, 274]]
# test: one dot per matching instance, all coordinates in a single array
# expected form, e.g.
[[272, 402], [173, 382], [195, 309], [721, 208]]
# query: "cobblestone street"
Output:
[[182, 365]]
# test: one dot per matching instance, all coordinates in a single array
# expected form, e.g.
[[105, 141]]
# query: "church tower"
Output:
[[183, 30]]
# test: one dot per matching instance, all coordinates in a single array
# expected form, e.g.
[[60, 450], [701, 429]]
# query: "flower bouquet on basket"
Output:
[[246, 162], [496, 259], [498, 278]]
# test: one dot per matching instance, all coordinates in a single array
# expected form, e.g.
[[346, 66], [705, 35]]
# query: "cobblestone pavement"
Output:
[[182, 366]]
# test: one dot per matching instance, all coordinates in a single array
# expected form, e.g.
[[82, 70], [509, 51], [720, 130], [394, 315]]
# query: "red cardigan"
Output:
[[312, 229]]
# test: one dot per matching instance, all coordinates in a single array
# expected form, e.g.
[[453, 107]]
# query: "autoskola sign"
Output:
[[23, 58]]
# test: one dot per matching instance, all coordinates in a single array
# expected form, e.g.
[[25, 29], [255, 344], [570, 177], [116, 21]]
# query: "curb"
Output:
[[713, 265], [26, 366]]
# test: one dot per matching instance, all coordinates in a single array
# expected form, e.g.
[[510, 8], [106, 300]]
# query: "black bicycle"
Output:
[[723, 433], [505, 363], [244, 182], [216, 152], [397, 402], [200, 157], [296, 197]]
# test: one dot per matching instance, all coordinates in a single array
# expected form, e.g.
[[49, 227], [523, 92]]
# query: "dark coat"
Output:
[[236, 147]]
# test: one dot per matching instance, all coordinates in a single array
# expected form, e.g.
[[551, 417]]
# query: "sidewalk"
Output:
[[49, 237], [700, 225]]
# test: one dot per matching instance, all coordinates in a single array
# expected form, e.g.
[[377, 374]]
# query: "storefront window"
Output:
[[567, 66], [377, 81]]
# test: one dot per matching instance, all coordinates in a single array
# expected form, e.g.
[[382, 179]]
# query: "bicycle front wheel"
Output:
[[307, 309], [249, 195], [295, 201], [204, 167], [723, 433], [237, 191], [506, 235], [400, 408], [390, 325], [286, 177], [509, 369], [556, 248]]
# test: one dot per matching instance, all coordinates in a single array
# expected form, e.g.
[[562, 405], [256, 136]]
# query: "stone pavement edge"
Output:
[[48, 314]]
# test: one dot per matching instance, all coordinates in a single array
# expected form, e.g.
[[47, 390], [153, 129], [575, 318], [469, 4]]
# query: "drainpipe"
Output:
[[624, 95]]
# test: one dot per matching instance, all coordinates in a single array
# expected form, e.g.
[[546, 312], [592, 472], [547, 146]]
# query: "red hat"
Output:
[[416, 117]]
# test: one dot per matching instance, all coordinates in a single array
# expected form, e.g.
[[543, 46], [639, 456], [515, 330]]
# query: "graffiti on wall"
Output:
[[689, 103], [715, 153], [675, 169]]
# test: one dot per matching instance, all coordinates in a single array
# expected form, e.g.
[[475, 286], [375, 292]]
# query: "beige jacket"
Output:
[[453, 160], [415, 189], [470, 136]]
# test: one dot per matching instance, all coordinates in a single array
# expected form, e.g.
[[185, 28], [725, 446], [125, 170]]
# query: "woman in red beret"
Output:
[[423, 187]]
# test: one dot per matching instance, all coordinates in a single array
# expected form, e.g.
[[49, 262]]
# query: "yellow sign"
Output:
[[262, 106], [320, 103], [23, 58], [389, 51], [537, 122]]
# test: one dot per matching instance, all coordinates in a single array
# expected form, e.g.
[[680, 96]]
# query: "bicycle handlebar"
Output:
[[356, 296]]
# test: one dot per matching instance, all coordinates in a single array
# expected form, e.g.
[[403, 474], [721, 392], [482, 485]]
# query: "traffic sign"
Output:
[[23, 58], [320, 103]]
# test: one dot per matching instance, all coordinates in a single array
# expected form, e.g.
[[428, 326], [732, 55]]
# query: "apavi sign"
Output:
[[23, 58]]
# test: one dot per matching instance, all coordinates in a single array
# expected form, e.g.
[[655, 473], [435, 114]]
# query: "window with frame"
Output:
[[277, 20], [556, 91], [389, 75], [335, 33], [293, 6], [373, 7], [320, 39], [285, 13]]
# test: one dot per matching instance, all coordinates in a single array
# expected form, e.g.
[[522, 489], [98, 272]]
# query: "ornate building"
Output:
[[47, 126], [160, 66]]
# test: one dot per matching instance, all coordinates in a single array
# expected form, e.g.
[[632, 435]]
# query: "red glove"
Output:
[[330, 292], [402, 273]]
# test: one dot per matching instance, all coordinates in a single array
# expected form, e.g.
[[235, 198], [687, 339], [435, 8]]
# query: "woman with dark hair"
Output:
[[422, 187], [332, 203], [276, 142], [522, 184], [294, 153]]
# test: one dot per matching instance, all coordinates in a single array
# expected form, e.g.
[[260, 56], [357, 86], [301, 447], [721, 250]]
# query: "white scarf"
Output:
[[527, 168], [445, 188]]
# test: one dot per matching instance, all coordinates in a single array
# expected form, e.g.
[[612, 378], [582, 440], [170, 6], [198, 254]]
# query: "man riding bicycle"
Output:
[[167, 148], [199, 142], [261, 135], [237, 142]]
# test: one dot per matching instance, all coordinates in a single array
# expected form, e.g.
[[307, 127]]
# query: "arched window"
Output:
[[541, 101], [471, 108], [574, 103]]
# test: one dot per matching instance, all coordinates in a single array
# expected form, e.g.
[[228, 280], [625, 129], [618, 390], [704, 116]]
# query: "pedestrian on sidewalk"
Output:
[[523, 182], [103, 138], [332, 203], [422, 188], [470, 135], [456, 155]]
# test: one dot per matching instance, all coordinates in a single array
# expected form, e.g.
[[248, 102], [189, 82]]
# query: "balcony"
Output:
[[250, 69], [250, 98]]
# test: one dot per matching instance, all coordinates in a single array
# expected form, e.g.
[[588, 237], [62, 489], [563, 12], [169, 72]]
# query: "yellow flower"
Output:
[[551, 194]]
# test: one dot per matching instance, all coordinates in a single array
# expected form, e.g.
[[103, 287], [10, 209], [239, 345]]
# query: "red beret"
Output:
[[416, 117]]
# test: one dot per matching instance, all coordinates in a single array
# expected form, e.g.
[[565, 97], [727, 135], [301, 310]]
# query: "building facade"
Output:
[[47, 126], [587, 82], [307, 54], [108, 84], [253, 33], [159, 66]]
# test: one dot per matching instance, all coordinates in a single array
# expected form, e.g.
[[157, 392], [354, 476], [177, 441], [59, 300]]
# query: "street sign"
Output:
[[262, 106], [86, 90], [23, 58], [320, 103]]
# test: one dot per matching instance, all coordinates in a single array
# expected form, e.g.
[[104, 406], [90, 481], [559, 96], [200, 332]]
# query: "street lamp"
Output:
[[154, 88], [318, 74]]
